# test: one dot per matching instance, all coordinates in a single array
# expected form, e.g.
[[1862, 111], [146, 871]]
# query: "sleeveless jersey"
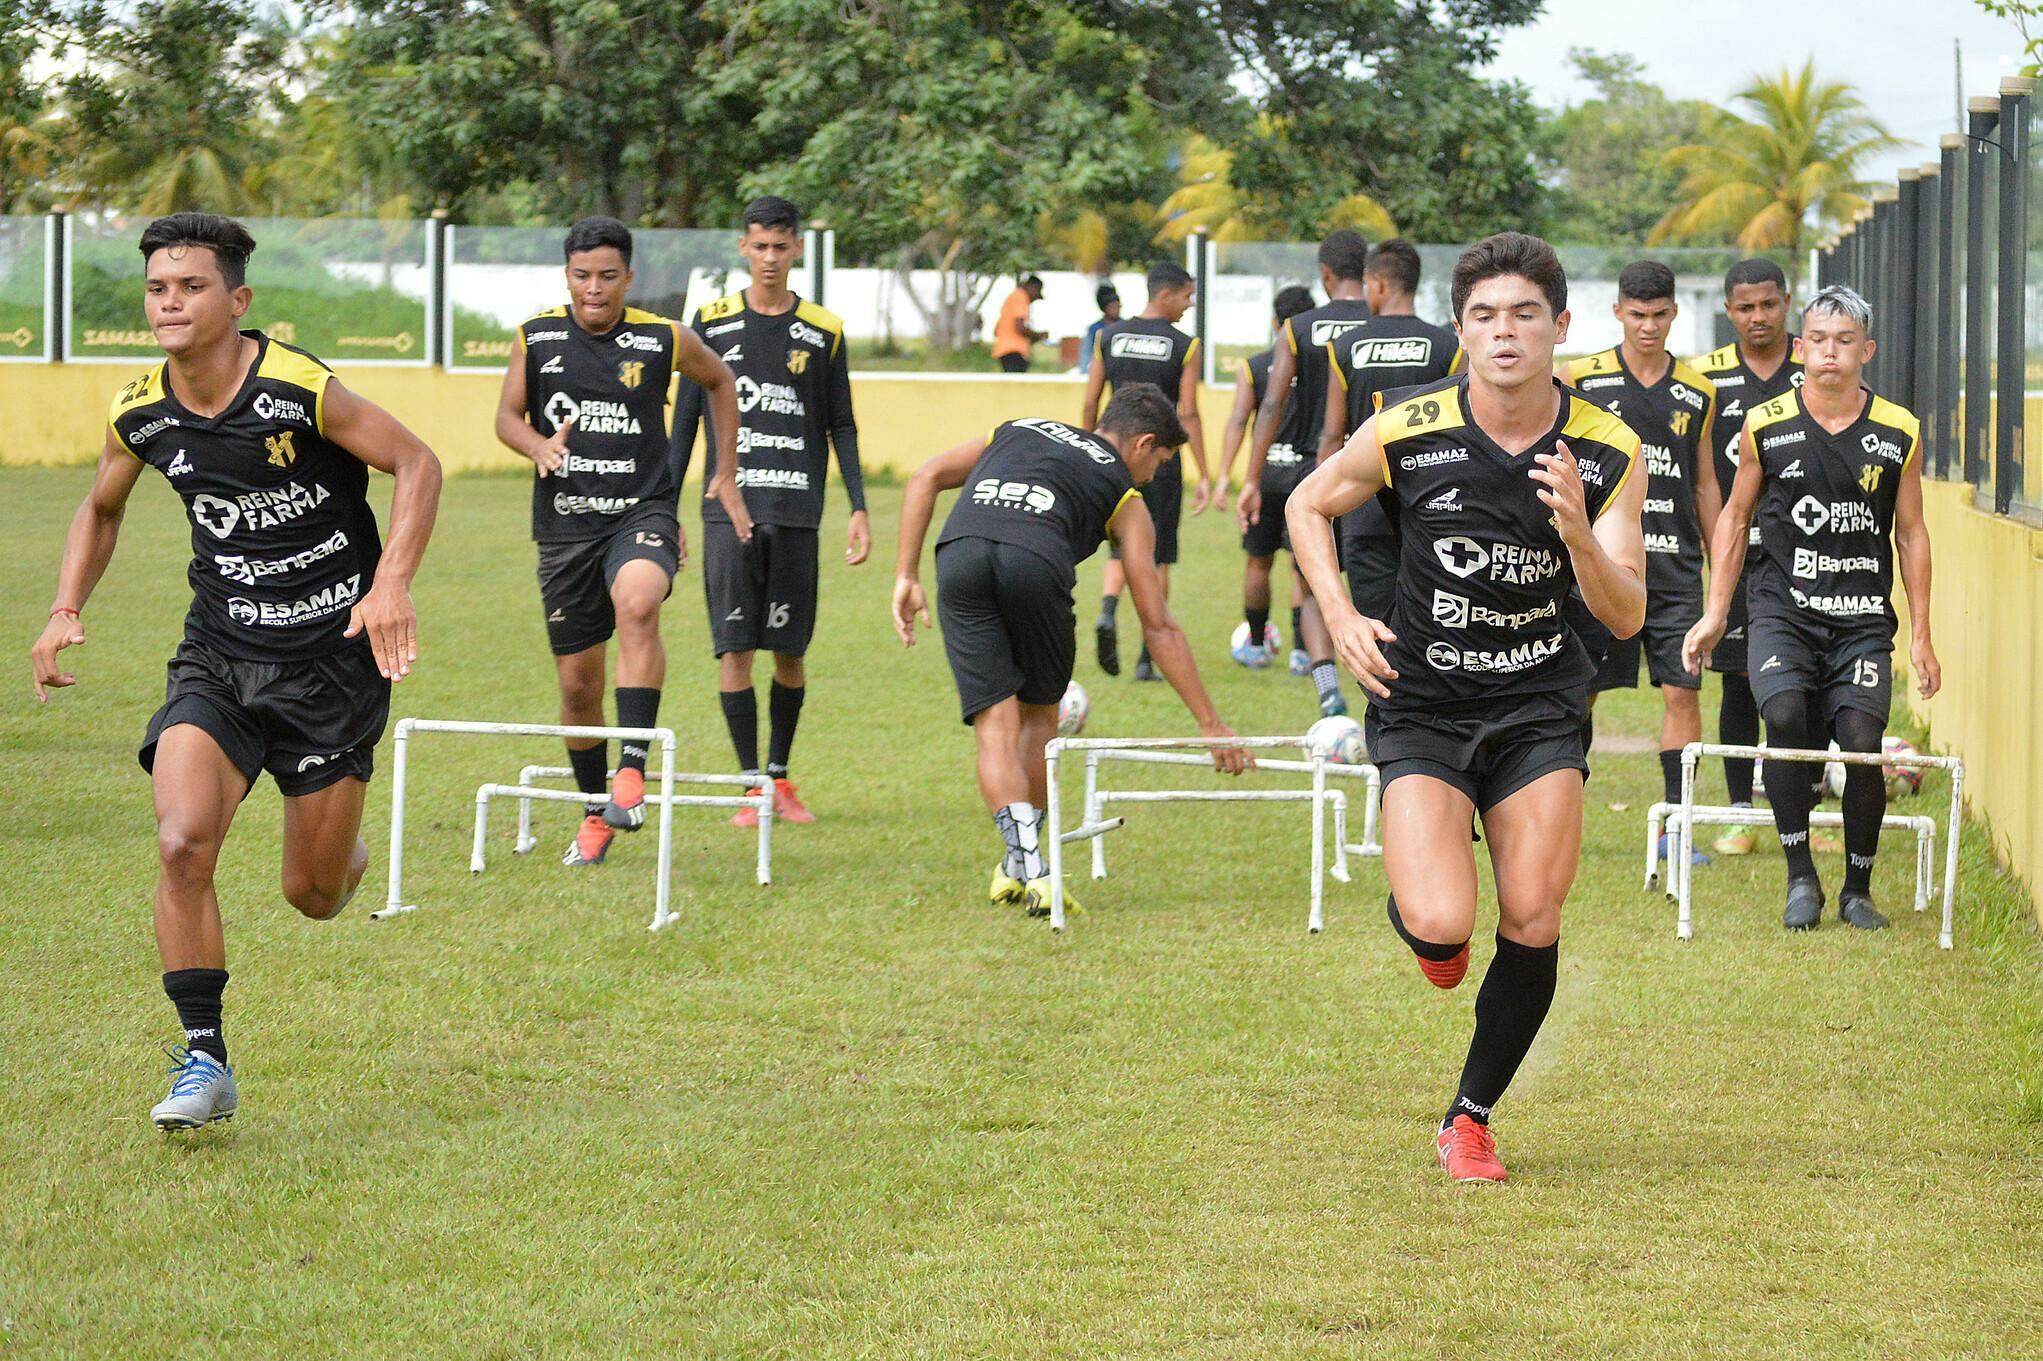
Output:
[[1668, 418], [1045, 486], [1826, 512], [1287, 463], [1739, 392], [1307, 335], [1483, 576], [283, 541], [615, 387], [1381, 356], [1150, 350]]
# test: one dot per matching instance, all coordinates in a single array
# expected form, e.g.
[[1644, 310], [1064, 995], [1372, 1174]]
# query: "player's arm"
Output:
[[1195, 426], [701, 365], [1135, 532], [380, 440], [858, 539], [1095, 385], [88, 547], [918, 505], [687, 421], [514, 432], [1333, 425], [1239, 417], [1352, 476], [1609, 554], [1727, 555], [1248, 507], [1912, 548], [1709, 497]]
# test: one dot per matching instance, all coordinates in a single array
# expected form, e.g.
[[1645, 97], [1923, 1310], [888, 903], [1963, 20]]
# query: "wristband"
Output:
[[56, 610]]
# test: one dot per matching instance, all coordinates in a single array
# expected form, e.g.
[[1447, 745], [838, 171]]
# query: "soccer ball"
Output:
[[1833, 777], [1900, 779], [1072, 710], [1250, 656], [1337, 739]]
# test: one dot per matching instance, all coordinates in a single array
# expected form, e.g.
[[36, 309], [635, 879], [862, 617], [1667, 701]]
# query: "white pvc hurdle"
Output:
[[759, 798], [400, 767], [1685, 818], [1925, 829]]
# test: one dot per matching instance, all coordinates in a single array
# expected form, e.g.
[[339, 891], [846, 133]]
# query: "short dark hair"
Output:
[[1106, 296], [594, 233], [1645, 281], [1142, 409], [1165, 275], [1510, 253], [774, 213], [227, 239], [1757, 270], [1345, 254], [1396, 262], [1034, 281], [1289, 302]]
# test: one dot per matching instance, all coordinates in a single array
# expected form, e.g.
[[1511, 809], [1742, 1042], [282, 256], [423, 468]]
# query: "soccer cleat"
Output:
[[1805, 905], [1106, 643], [1145, 670], [1251, 655], [1735, 840], [201, 1090], [1468, 1151], [1445, 973], [787, 805], [748, 816], [591, 843], [1333, 706], [1856, 909], [1825, 843], [1695, 857], [1007, 891], [1301, 664], [1036, 898], [626, 810]]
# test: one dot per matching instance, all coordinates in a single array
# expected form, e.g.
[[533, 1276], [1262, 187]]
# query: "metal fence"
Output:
[[1951, 258]]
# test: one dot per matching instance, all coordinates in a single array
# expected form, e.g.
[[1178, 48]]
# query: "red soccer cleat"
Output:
[[1446, 973], [787, 805], [591, 843], [1468, 1151], [749, 816]]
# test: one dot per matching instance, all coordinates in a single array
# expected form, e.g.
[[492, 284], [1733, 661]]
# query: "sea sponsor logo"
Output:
[[1881, 448], [991, 491], [1136, 345], [179, 465], [1663, 543], [1809, 563], [774, 479], [726, 327], [272, 408], [1840, 606], [1088, 445], [807, 334], [157, 426], [290, 613], [639, 340], [256, 509], [539, 337], [248, 571], [1389, 352], [1498, 661], [572, 462], [773, 399], [749, 440], [1432, 458], [1658, 505], [565, 504], [1812, 517], [1331, 329]]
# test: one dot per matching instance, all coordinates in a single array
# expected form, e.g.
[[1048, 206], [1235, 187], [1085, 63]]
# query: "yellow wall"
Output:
[[56, 413]]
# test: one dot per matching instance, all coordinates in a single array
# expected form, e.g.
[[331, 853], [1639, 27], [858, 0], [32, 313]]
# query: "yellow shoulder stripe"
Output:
[[1586, 420], [1129, 495], [550, 314], [823, 319], [1604, 361], [1334, 364], [1631, 465], [1685, 372], [1420, 415], [727, 306], [1896, 415], [1720, 360], [639, 317], [285, 365], [1772, 412], [144, 390]]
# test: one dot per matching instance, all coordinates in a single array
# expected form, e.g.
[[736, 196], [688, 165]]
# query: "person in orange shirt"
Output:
[[1011, 334]]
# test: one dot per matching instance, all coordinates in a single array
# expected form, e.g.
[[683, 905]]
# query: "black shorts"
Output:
[[575, 575], [761, 594], [1372, 573], [1729, 655], [1269, 533], [1848, 668], [1164, 494], [1008, 626], [1489, 754], [308, 723], [1660, 643]]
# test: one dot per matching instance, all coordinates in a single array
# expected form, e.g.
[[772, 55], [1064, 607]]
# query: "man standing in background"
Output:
[[1011, 334]]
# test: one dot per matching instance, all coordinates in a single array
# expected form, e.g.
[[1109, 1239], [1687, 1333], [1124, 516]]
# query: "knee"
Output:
[[1683, 703], [1536, 924], [638, 615], [1787, 719], [789, 670], [581, 699], [1859, 732], [1434, 918], [313, 899], [187, 855]]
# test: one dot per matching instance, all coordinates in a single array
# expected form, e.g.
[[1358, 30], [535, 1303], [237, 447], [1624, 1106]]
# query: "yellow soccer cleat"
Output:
[[1007, 891], [1735, 841], [1038, 898]]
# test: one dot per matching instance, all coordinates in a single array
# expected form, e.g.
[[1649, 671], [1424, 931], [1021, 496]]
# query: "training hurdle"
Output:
[[1682, 820], [1173, 751], [759, 799], [1925, 829]]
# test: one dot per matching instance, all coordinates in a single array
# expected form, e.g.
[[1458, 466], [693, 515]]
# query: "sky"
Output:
[[1897, 52]]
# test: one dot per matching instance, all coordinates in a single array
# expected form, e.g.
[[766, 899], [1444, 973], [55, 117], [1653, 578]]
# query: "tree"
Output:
[[1612, 182], [1208, 200], [2027, 17], [31, 135], [1771, 181]]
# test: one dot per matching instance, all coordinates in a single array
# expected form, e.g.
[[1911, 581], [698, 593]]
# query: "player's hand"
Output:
[[1248, 507], [1219, 496], [1358, 639], [909, 605], [548, 457], [1702, 638], [726, 491], [385, 614], [1202, 497], [1227, 760], [1922, 658], [62, 631], [1560, 479], [858, 541]]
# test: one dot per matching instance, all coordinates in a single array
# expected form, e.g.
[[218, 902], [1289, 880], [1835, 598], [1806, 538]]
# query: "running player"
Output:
[[794, 404], [1044, 494], [1393, 349], [300, 616], [1293, 411], [1672, 408], [1281, 473], [1762, 363], [585, 398], [1511, 490], [1151, 349], [1830, 473]]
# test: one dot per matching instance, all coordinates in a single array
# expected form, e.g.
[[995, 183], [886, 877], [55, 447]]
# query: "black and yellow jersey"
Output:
[[1386, 353], [614, 388], [1045, 486], [1483, 577], [794, 405], [283, 541], [1287, 463], [1307, 336], [1149, 350], [1826, 511]]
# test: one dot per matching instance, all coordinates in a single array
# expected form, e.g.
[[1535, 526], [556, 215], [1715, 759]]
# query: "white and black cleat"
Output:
[[201, 1091]]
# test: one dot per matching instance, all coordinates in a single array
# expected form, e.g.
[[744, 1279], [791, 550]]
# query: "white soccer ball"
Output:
[[1901, 780], [1338, 740], [1072, 710], [1833, 777]]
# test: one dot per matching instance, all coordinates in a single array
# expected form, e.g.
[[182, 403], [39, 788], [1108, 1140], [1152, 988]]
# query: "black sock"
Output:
[[1788, 786], [1297, 621], [1424, 949], [741, 716], [1258, 622], [592, 772], [196, 995], [1108, 604], [1865, 799], [784, 711], [1516, 993], [638, 706], [1738, 726], [1670, 775]]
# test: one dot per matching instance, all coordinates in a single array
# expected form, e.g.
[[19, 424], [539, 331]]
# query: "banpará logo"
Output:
[[248, 571], [1139, 345], [571, 462], [274, 408], [992, 491], [157, 426], [1450, 609], [1089, 445], [638, 340], [748, 440], [1658, 505], [1809, 563], [1387, 352]]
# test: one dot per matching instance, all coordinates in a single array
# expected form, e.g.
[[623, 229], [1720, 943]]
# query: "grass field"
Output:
[[861, 1114]]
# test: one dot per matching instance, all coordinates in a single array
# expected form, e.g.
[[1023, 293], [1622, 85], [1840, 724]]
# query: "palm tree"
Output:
[[1207, 200], [1787, 173]]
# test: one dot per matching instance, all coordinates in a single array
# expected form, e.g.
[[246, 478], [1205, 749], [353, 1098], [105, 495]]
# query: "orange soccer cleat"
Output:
[[591, 843], [1468, 1152]]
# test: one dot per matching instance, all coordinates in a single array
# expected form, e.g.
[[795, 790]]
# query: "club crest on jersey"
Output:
[[797, 361], [631, 372], [282, 452]]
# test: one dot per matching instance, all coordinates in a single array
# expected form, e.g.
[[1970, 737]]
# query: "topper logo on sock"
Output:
[[1462, 1103]]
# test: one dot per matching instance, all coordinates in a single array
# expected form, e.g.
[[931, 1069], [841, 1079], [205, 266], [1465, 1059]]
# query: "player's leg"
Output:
[[641, 575], [1858, 695], [1785, 684], [1318, 643], [734, 589], [1300, 663], [1429, 863], [1106, 633], [1680, 703], [581, 705], [1041, 628], [1165, 497], [324, 854], [1255, 604], [988, 677], [792, 579]]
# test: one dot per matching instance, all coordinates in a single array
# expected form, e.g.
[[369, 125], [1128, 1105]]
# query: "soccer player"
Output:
[[1762, 363], [1830, 473], [1044, 494], [1393, 349], [300, 618], [1511, 490], [1109, 299], [1293, 410], [793, 406], [1281, 472], [1672, 408], [585, 398], [1151, 349]]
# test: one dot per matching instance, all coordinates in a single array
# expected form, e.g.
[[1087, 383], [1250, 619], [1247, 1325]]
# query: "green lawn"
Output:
[[861, 1114]]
